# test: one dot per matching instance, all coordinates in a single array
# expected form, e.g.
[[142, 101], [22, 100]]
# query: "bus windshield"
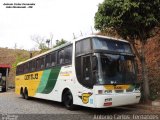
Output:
[[111, 45], [116, 69]]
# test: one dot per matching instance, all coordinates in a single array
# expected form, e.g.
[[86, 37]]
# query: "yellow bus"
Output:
[[93, 71]]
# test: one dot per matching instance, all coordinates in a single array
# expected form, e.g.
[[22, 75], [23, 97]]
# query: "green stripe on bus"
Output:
[[51, 80], [44, 80]]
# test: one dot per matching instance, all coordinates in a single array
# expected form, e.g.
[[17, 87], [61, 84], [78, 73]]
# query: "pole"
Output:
[[92, 30], [7, 79], [74, 37]]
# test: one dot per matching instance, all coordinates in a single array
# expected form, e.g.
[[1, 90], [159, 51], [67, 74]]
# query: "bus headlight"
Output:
[[100, 92], [104, 91]]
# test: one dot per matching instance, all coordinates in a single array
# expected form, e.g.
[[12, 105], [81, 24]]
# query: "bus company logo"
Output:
[[66, 73], [85, 97], [31, 76]]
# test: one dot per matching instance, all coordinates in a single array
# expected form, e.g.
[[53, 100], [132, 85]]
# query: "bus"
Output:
[[4, 73], [93, 71]]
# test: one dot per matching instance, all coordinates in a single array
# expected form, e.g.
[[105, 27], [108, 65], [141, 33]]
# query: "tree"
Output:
[[49, 41], [43, 47], [40, 41], [60, 42], [133, 20]]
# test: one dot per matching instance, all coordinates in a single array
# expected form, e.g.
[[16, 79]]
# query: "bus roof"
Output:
[[100, 36], [54, 49], [69, 43]]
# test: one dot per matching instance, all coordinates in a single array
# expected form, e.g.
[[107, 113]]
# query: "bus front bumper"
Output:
[[112, 100]]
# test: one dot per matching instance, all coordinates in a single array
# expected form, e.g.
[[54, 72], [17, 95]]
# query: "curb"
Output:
[[149, 107], [156, 103]]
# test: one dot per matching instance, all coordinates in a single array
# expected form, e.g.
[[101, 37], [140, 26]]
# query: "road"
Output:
[[10, 103]]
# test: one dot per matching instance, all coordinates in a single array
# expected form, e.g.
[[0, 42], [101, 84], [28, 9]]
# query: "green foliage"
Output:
[[42, 46], [130, 18], [19, 58], [59, 42]]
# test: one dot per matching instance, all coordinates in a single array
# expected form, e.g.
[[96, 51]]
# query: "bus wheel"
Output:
[[68, 100], [22, 93], [26, 94]]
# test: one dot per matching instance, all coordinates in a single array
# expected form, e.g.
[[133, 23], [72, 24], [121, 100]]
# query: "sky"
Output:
[[61, 18]]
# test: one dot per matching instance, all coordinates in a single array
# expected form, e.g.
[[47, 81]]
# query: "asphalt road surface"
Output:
[[13, 107]]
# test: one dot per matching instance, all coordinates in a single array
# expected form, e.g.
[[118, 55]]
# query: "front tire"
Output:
[[68, 100]]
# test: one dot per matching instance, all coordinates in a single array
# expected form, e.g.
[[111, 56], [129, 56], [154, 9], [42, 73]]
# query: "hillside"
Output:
[[12, 57]]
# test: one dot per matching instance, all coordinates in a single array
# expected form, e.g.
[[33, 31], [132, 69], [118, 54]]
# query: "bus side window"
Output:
[[37, 64], [68, 54], [30, 66], [33, 65], [48, 60], [53, 59], [22, 68], [42, 62], [17, 70], [26, 66], [83, 46], [61, 57]]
